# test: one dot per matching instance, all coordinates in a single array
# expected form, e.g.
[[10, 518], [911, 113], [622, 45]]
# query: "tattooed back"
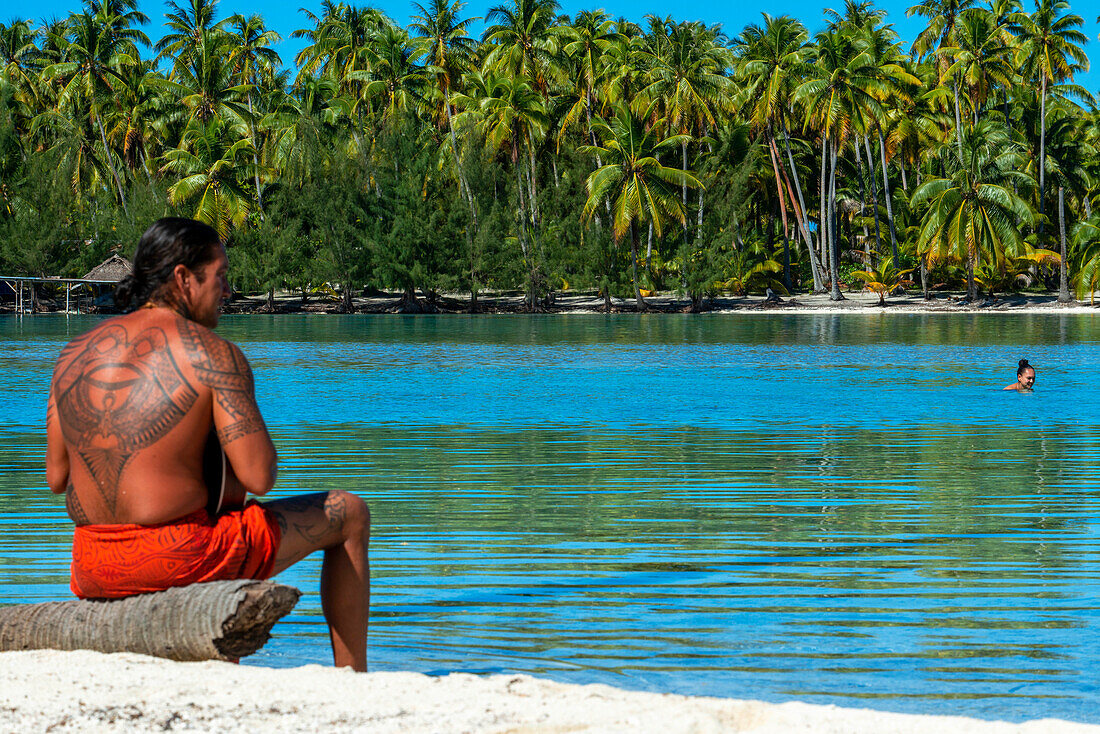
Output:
[[131, 405]]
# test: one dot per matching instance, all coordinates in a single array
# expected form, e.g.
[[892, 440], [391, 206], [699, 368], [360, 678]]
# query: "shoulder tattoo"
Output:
[[222, 367]]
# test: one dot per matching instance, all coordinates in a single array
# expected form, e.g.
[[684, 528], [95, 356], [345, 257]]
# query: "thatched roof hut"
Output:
[[114, 269]]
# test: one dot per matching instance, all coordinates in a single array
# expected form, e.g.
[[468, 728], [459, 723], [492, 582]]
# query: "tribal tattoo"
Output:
[[118, 396], [74, 508], [222, 367]]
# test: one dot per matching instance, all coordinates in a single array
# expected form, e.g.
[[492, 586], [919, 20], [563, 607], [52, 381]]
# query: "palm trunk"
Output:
[[684, 189], [111, 164], [834, 246], [803, 215], [458, 165], [778, 180], [634, 264], [1063, 270], [958, 119], [823, 222], [649, 248], [255, 157], [862, 199], [1042, 150], [886, 193], [218, 620], [874, 193]]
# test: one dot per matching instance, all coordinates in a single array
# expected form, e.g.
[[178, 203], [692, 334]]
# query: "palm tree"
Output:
[[1069, 157], [974, 211], [253, 59], [206, 166], [522, 40], [640, 188], [188, 24], [772, 63], [341, 40], [938, 35], [395, 83], [841, 97], [511, 116], [982, 60], [1050, 52], [449, 51], [884, 279], [98, 45], [207, 83]]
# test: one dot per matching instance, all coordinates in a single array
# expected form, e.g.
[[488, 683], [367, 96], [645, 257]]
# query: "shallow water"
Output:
[[837, 509]]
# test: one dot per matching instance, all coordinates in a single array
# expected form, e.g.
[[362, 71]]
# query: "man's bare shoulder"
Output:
[[210, 354]]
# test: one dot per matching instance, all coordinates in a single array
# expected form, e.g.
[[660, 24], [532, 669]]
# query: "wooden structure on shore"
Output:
[[107, 273]]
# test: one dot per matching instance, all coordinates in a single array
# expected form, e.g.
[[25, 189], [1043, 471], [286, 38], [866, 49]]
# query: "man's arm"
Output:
[[222, 367], [57, 456]]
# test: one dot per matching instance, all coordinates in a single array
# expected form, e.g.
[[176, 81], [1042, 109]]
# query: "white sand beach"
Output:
[[82, 691]]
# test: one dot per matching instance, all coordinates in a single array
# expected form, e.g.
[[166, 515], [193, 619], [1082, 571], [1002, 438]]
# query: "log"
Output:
[[219, 620]]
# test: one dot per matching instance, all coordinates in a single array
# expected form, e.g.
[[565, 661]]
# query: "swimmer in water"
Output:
[[1025, 378]]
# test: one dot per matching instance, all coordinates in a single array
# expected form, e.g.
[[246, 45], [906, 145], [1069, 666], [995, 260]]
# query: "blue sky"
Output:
[[284, 17]]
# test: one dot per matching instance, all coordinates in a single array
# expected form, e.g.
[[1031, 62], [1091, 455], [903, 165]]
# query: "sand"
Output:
[[52, 691]]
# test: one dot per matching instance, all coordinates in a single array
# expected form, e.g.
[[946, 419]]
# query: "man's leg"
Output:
[[338, 523]]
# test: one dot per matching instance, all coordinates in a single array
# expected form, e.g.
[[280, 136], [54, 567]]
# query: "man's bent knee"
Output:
[[350, 511]]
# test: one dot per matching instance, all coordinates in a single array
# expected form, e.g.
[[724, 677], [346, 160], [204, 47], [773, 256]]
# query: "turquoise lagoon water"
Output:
[[835, 509]]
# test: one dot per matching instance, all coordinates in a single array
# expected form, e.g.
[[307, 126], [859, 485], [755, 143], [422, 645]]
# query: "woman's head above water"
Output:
[[1025, 375]]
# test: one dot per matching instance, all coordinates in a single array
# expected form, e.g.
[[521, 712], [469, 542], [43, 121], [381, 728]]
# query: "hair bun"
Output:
[[1023, 364]]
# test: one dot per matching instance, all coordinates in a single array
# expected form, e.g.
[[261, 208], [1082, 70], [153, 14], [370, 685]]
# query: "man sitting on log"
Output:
[[133, 406]]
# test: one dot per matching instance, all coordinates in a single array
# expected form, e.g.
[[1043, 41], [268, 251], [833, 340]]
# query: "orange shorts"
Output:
[[111, 561]]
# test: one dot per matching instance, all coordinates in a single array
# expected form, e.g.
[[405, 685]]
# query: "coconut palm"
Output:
[[188, 24], [253, 60], [884, 279], [510, 115], [943, 17], [1050, 52], [641, 190], [522, 40], [840, 98], [449, 50], [974, 211], [1069, 156], [771, 64], [207, 165], [98, 44]]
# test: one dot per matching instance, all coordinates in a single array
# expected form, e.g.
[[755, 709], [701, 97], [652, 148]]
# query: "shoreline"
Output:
[[47, 690], [569, 303]]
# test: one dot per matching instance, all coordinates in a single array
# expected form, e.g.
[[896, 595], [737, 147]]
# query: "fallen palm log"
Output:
[[219, 620]]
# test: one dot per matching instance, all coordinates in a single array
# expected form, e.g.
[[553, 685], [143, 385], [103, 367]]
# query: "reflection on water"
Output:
[[835, 509]]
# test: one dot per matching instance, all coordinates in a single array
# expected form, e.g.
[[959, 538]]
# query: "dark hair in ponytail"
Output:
[[1023, 366], [167, 243]]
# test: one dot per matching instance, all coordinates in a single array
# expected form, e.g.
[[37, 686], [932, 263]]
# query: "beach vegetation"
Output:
[[548, 152]]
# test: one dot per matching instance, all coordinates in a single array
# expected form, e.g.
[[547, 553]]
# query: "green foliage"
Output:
[[422, 159]]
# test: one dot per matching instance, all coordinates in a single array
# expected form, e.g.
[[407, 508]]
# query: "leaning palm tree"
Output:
[[840, 98], [641, 190], [974, 210], [772, 62]]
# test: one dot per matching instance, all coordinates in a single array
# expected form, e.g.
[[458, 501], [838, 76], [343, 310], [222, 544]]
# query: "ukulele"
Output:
[[224, 491]]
